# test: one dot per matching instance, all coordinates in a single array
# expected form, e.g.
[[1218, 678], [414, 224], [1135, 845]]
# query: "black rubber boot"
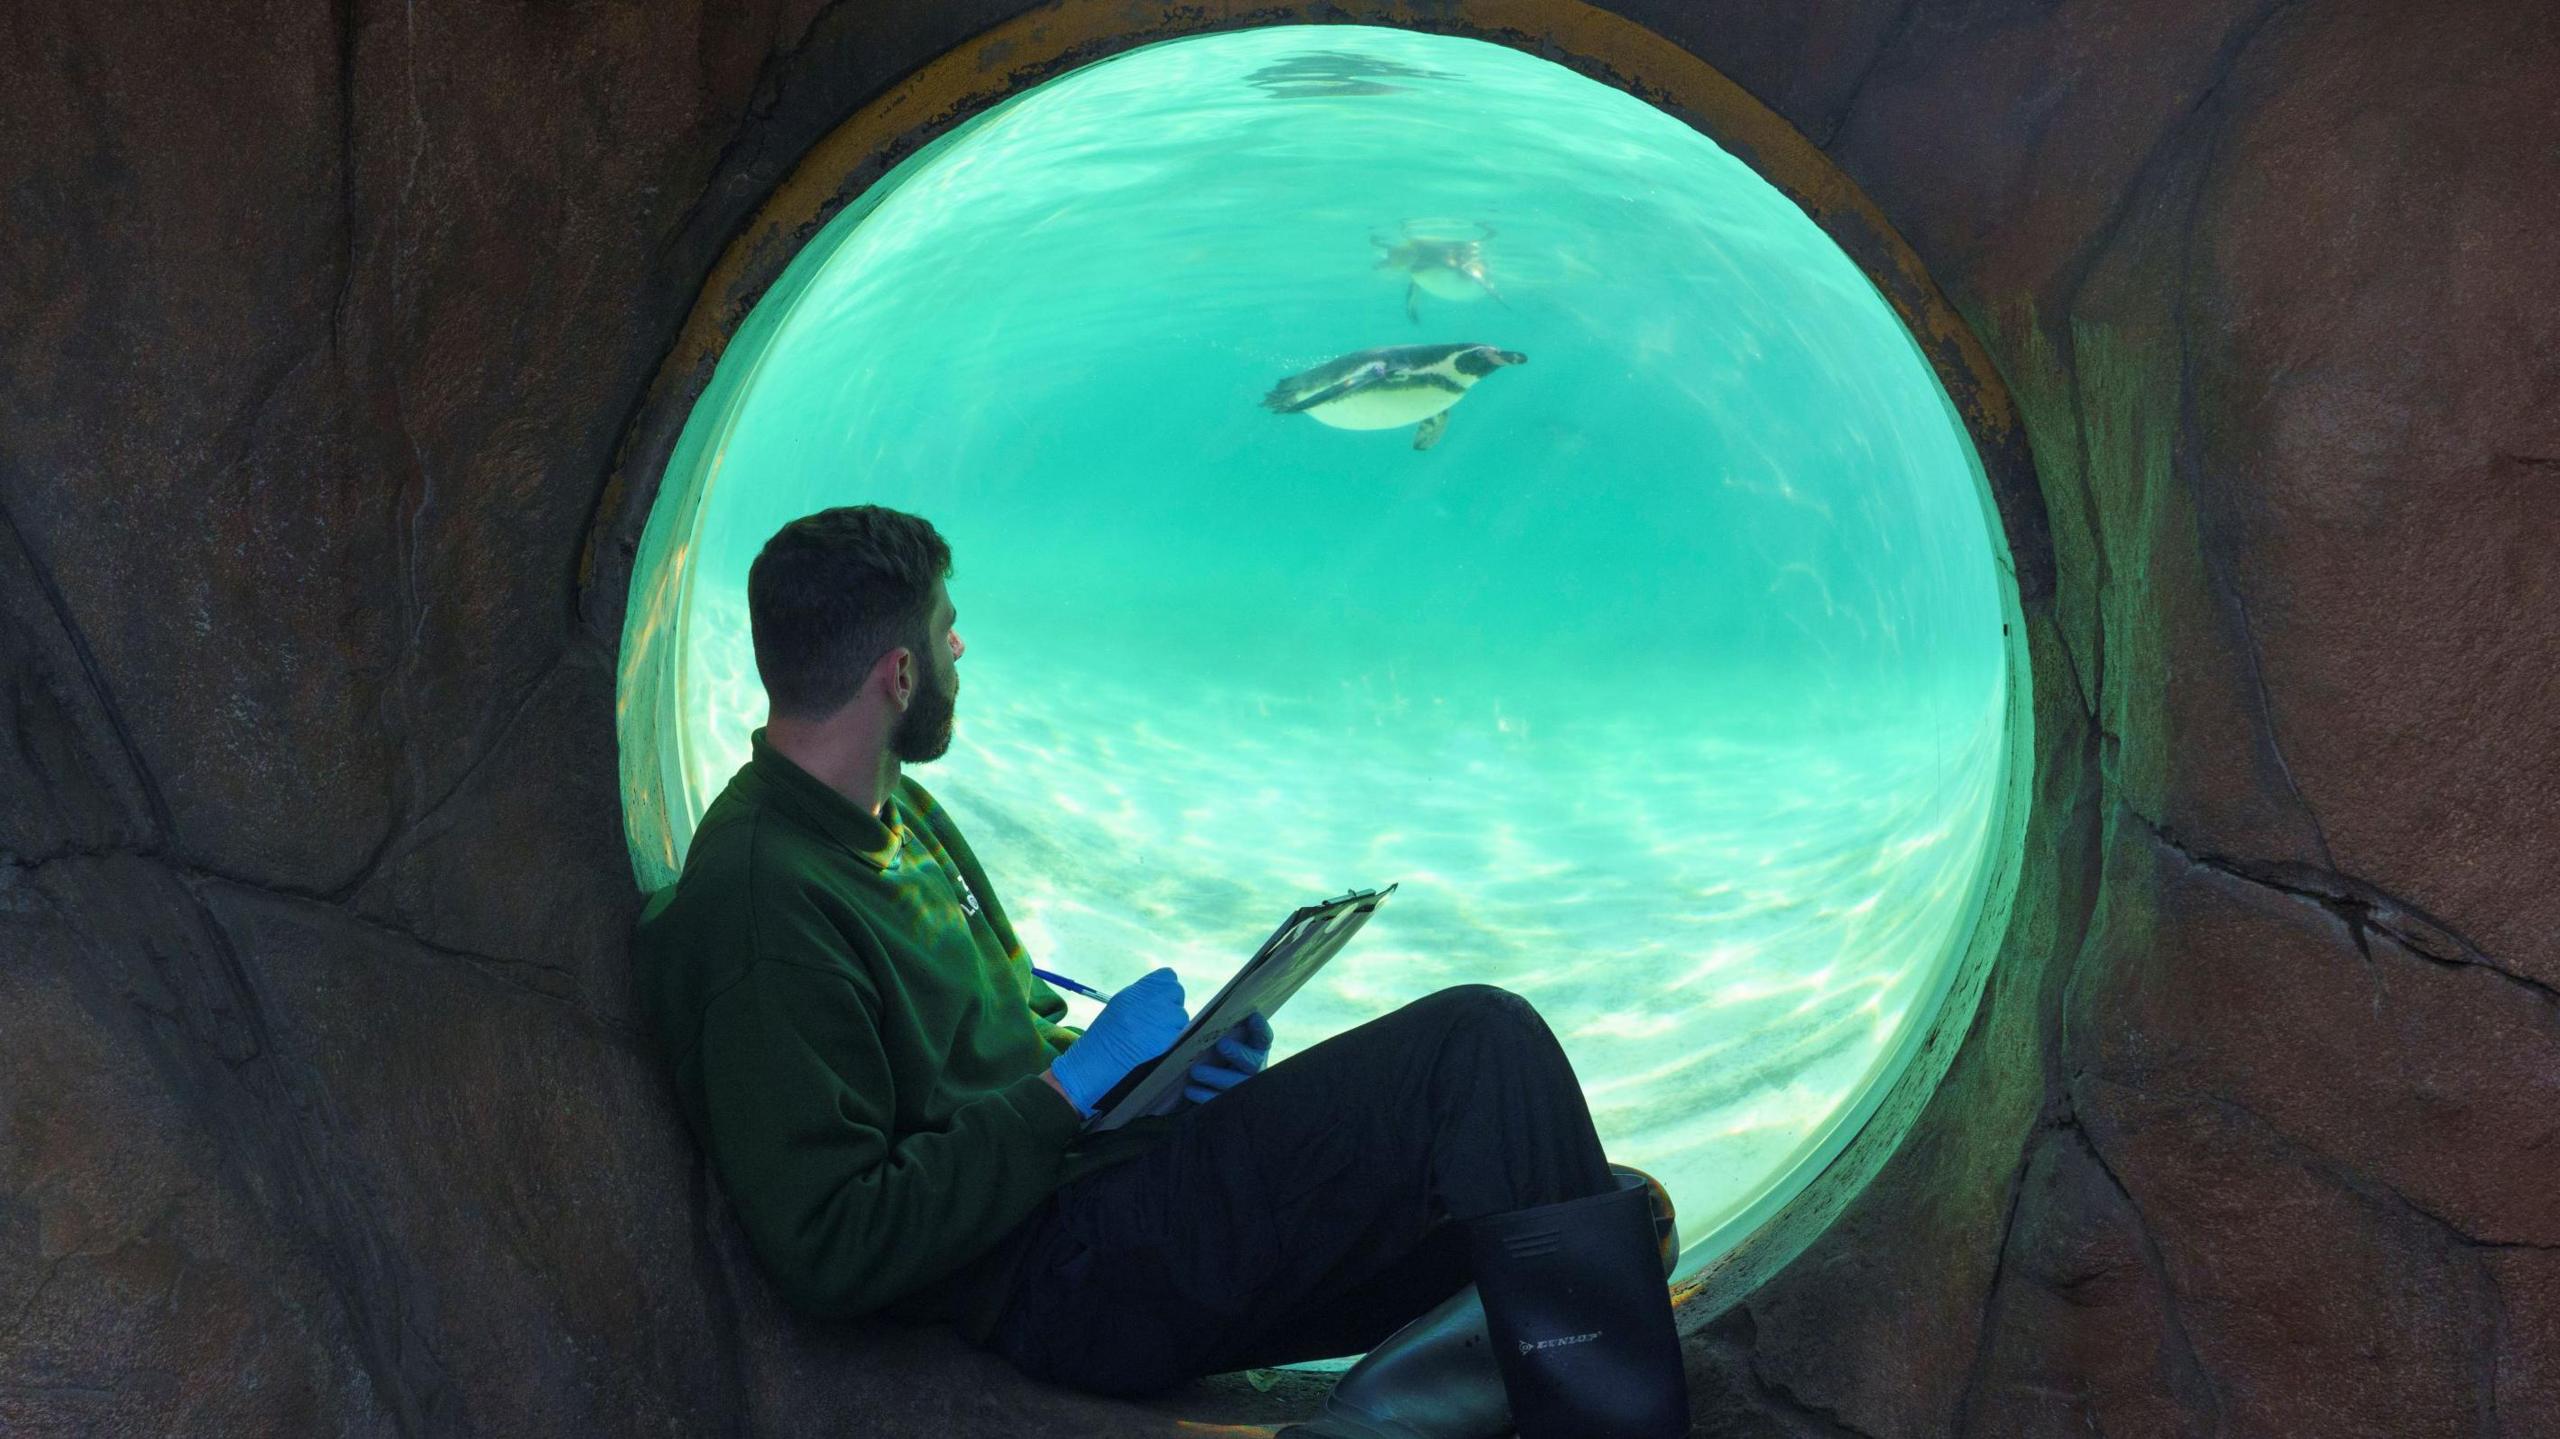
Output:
[[1436, 1377], [1580, 1320]]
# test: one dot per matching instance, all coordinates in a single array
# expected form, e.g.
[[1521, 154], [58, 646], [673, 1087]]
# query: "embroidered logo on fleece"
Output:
[[1532, 1346]]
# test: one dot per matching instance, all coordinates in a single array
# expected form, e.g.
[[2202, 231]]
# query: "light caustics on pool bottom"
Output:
[[1669, 683]]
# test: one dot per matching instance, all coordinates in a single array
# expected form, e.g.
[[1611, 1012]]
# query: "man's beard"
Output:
[[924, 731]]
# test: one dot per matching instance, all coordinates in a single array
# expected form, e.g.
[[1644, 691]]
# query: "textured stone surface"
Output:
[[2311, 1307], [190, 465], [321, 1109], [2443, 1080], [2383, 373], [152, 1279], [2525, 1283], [2081, 1333]]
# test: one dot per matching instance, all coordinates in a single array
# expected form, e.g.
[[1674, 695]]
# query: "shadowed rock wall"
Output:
[[321, 1102]]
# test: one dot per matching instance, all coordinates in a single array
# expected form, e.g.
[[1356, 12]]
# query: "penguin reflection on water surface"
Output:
[[1325, 74], [1385, 388], [1442, 268]]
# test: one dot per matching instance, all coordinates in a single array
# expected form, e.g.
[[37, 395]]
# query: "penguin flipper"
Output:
[[1413, 302], [1287, 401], [1428, 433]]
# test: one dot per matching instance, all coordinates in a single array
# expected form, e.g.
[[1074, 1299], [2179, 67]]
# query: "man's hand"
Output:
[[1139, 1023], [1240, 1054]]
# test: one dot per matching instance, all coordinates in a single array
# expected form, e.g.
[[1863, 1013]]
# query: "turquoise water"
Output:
[[1669, 683]]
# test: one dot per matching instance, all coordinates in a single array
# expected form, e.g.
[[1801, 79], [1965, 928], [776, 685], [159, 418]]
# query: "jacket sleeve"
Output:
[[845, 1213], [1047, 1008]]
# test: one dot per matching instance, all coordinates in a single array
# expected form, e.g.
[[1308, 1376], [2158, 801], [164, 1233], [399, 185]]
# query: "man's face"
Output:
[[924, 731]]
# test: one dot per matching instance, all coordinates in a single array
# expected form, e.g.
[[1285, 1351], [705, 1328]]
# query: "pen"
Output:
[[1063, 982]]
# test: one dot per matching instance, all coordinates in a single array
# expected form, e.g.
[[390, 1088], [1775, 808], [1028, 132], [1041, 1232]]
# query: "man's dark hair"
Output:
[[831, 593]]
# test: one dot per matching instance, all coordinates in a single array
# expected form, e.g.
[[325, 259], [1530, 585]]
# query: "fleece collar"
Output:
[[809, 800]]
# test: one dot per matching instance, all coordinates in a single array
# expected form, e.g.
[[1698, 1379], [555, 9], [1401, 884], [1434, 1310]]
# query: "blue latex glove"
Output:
[[1141, 1022], [1239, 1055]]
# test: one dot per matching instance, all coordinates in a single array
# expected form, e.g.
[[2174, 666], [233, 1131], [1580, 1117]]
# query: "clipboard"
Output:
[[1286, 961]]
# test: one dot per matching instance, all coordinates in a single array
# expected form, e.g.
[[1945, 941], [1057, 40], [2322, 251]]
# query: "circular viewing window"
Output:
[[1372, 456]]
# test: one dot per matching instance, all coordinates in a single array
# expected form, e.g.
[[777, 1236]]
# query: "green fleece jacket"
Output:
[[857, 1040]]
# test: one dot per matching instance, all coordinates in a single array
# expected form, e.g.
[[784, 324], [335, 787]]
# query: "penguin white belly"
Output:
[[1446, 284], [1384, 408]]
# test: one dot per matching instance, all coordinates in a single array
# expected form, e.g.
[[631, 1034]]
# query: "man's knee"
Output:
[[1488, 1008]]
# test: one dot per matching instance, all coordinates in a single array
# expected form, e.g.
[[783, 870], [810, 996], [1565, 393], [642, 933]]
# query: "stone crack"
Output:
[[90, 670], [2362, 905], [2235, 45], [2184, 456], [1982, 1327], [404, 836], [2372, 1189], [510, 970], [2383, 1195], [1893, 36], [2155, 1261]]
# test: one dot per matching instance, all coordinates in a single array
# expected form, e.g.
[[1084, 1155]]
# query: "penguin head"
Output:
[[1483, 360]]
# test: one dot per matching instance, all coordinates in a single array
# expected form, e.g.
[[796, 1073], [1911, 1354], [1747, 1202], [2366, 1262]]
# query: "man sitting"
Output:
[[896, 1113]]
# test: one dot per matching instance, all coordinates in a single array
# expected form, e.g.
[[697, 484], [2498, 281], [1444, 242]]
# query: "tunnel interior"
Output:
[[1671, 679]]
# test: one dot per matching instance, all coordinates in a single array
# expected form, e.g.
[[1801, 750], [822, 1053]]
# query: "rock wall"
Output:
[[322, 1107]]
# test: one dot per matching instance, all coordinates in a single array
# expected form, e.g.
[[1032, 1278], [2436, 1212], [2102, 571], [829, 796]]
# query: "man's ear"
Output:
[[895, 673]]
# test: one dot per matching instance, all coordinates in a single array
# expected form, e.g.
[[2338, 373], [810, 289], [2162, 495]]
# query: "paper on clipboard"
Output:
[[1286, 961]]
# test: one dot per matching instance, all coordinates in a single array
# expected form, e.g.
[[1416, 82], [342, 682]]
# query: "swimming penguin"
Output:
[[1398, 385], [1447, 269]]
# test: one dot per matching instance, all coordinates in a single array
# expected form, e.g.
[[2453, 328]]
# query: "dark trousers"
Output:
[[1308, 1212]]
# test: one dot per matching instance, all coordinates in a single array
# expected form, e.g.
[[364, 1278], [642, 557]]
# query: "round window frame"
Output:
[[909, 117]]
